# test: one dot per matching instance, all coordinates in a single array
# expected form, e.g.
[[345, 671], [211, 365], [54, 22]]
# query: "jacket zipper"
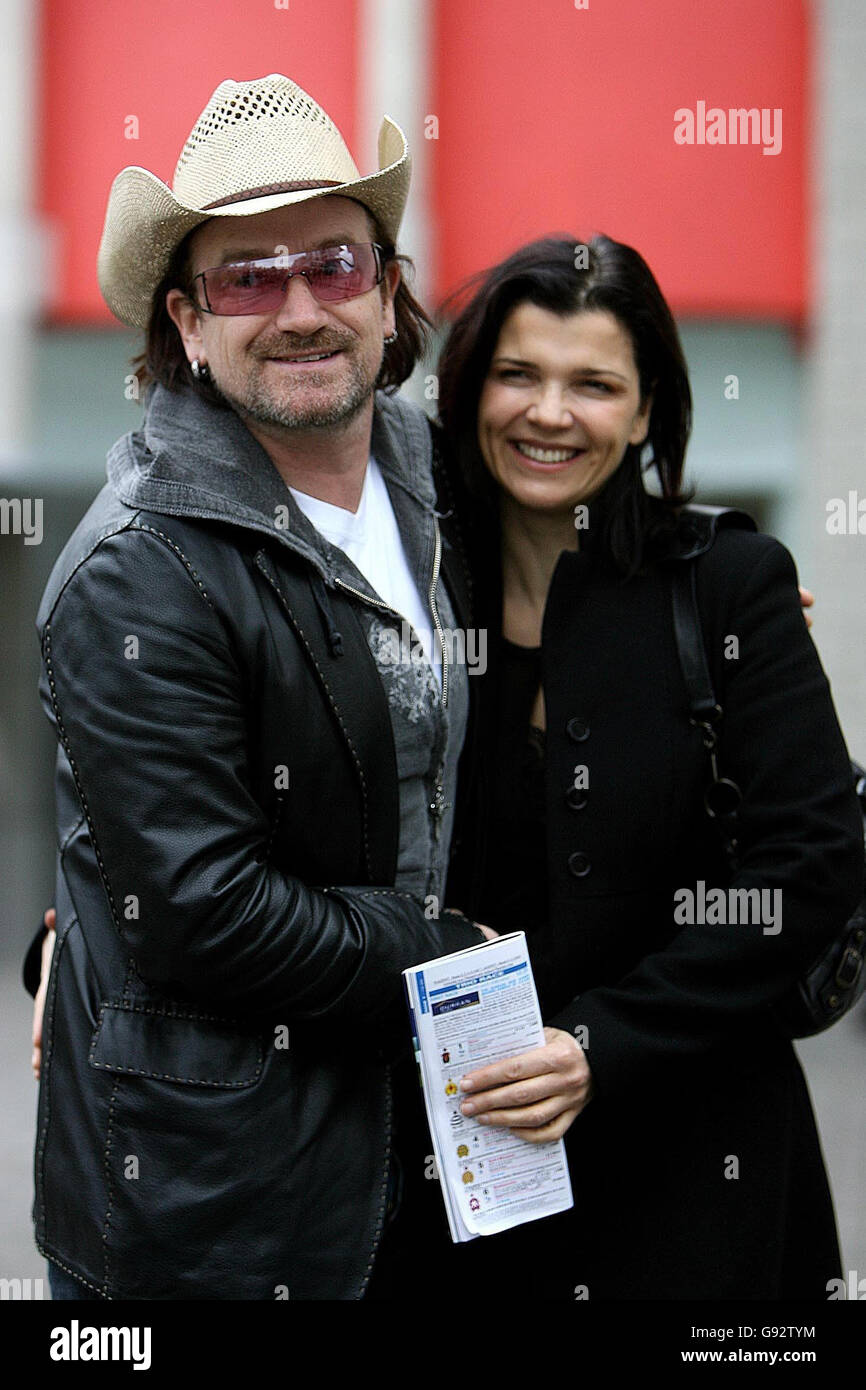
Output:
[[434, 584]]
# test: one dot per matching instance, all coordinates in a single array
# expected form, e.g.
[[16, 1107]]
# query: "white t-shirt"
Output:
[[371, 539]]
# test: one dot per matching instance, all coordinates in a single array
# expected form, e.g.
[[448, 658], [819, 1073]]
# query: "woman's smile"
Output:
[[546, 456], [560, 405]]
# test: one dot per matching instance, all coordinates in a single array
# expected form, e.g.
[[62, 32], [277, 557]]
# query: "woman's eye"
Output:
[[511, 374], [603, 386]]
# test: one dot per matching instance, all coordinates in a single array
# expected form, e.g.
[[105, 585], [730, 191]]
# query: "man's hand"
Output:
[[537, 1094], [806, 601], [39, 1002]]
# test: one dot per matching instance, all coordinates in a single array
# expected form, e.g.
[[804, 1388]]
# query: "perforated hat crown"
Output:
[[256, 146]]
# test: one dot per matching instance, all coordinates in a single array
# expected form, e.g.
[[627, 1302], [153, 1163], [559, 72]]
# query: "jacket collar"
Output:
[[191, 458]]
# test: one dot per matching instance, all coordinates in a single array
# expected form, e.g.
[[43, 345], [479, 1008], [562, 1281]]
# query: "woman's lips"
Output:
[[556, 464]]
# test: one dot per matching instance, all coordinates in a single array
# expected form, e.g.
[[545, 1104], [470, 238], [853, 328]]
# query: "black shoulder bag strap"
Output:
[[837, 978], [722, 796]]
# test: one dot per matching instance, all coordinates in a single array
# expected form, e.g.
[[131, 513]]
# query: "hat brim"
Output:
[[145, 222]]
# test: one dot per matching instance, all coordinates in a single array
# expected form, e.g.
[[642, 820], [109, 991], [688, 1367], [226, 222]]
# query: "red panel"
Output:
[[101, 62], [554, 118]]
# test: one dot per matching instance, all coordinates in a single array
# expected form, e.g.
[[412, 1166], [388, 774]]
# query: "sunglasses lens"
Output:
[[259, 287], [343, 272], [249, 288]]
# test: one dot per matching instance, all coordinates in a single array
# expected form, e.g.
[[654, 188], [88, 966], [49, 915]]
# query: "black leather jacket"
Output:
[[214, 1111]]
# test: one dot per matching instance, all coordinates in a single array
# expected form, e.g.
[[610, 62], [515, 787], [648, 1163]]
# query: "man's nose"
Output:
[[300, 311]]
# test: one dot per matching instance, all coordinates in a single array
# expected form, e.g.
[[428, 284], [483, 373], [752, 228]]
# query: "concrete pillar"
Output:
[[24, 267], [393, 64], [835, 564]]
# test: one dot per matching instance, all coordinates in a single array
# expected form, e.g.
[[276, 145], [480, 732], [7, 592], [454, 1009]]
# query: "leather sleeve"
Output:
[[799, 833], [140, 678]]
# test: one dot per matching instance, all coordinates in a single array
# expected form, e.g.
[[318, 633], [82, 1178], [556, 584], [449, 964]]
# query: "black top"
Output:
[[514, 890]]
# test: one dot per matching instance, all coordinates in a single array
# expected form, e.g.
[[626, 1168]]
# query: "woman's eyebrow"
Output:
[[578, 371]]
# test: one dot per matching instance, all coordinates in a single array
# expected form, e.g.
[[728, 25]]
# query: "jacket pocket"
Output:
[[165, 1045]]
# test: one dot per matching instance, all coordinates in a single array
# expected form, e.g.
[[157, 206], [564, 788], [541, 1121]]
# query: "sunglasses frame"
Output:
[[286, 260]]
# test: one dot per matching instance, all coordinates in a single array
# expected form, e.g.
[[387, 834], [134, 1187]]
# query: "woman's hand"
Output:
[[537, 1094], [50, 919], [806, 601]]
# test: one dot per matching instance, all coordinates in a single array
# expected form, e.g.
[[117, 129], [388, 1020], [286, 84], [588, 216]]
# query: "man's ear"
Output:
[[389, 287], [187, 320]]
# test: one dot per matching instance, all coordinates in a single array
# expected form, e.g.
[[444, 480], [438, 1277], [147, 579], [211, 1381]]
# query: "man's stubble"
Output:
[[263, 406]]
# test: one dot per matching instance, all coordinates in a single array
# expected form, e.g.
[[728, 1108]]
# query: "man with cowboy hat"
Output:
[[254, 799]]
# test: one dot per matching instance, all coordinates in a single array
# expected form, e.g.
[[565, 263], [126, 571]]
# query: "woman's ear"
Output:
[[640, 428]]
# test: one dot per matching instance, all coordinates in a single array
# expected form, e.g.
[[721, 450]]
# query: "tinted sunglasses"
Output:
[[258, 287]]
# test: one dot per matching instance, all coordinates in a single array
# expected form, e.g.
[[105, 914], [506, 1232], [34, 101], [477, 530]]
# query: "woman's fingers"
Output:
[[537, 1093], [519, 1093], [555, 1130], [530, 1116]]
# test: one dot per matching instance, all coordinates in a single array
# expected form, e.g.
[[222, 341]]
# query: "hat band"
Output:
[[268, 188]]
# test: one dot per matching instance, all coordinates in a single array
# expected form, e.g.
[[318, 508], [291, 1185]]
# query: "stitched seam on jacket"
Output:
[[377, 893], [106, 1164], [383, 1190], [46, 647], [61, 728], [188, 565], [357, 761], [55, 1259], [128, 1007], [166, 1076], [114, 529]]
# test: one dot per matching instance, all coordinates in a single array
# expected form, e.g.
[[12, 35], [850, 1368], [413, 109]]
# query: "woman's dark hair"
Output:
[[566, 276], [164, 360]]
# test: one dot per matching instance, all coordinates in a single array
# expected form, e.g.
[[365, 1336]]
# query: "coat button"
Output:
[[577, 729], [576, 798], [578, 864]]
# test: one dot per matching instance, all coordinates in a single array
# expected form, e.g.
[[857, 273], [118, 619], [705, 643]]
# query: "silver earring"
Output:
[[199, 370], [392, 339]]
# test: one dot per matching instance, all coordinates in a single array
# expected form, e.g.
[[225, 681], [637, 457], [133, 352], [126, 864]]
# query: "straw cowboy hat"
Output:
[[257, 145]]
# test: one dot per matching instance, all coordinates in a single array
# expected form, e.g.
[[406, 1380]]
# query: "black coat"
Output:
[[187, 1145], [696, 1167]]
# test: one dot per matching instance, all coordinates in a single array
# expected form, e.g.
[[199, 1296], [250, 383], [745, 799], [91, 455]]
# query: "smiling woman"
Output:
[[695, 1162], [561, 404]]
